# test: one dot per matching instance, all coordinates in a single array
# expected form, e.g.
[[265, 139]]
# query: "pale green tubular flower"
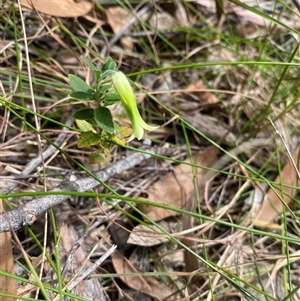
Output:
[[125, 91]]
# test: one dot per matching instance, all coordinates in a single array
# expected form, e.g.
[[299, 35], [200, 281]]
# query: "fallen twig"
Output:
[[92, 268], [27, 214]]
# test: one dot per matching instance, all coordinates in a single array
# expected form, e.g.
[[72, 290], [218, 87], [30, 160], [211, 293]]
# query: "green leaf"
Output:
[[85, 126], [92, 66], [108, 66], [89, 63], [119, 141], [97, 157], [106, 140], [88, 139], [111, 98], [117, 127], [78, 84], [125, 131], [84, 114], [103, 89], [85, 96], [104, 119], [122, 133]]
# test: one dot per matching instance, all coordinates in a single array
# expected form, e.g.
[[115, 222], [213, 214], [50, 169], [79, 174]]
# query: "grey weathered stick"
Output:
[[27, 214], [92, 268]]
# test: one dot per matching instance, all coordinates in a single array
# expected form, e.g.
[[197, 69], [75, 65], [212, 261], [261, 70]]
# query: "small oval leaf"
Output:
[[111, 98], [84, 126], [84, 114], [80, 95], [109, 65], [98, 157], [88, 139], [104, 119], [89, 63], [122, 133], [78, 84], [92, 66]]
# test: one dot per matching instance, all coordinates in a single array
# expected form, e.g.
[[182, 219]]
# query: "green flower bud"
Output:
[[125, 91]]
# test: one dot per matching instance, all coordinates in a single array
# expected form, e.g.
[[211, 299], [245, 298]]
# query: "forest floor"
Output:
[[203, 207]]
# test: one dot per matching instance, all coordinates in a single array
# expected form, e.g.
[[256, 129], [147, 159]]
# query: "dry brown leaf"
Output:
[[146, 237], [147, 285], [7, 285], [162, 21], [59, 8], [175, 188], [272, 205], [199, 89], [117, 17]]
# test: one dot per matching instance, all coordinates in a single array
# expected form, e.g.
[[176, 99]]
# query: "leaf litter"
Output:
[[176, 187], [58, 8], [204, 102]]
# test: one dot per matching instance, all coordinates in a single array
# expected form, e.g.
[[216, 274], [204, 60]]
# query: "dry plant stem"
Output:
[[92, 268], [192, 262], [76, 246], [37, 161], [27, 214]]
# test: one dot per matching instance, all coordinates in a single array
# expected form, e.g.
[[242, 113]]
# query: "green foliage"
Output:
[[78, 85], [104, 119], [108, 66], [84, 114], [98, 157], [96, 71], [84, 126], [103, 90], [97, 126], [88, 139], [111, 98], [86, 96]]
